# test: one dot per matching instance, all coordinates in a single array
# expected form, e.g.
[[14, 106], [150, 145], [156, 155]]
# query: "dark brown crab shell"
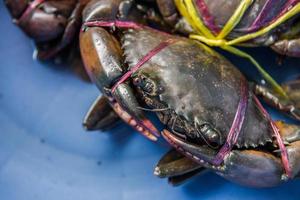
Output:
[[260, 14], [197, 86], [46, 22], [228, 7]]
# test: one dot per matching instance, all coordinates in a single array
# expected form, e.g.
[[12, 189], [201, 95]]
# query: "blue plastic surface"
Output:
[[46, 154]]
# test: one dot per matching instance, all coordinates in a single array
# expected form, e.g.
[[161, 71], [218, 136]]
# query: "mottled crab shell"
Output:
[[198, 85]]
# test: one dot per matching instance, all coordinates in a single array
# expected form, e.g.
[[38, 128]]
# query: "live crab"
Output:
[[210, 112]]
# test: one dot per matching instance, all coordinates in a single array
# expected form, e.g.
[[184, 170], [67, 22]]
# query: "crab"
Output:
[[53, 24], [247, 22], [210, 112], [211, 19], [227, 24], [253, 23]]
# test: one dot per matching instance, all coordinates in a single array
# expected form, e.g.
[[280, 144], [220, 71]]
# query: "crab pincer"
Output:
[[104, 63], [226, 130]]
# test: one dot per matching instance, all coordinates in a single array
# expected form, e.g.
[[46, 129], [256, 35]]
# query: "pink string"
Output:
[[289, 5], [258, 22], [207, 17], [115, 23], [236, 125], [132, 25], [34, 4], [241, 110], [262, 15], [146, 58], [284, 154]]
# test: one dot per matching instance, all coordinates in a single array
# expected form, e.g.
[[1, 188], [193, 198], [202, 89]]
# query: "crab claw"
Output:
[[126, 117], [177, 168], [125, 97], [174, 164], [200, 154], [243, 167], [247, 166], [100, 115], [102, 56]]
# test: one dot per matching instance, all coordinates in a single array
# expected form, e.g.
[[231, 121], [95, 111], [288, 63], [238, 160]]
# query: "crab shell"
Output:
[[260, 14], [197, 85], [195, 93], [46, 22], [52, 24]]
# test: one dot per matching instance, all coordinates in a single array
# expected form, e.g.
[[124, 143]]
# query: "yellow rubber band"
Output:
[[295, 10], [235, 18], [210, 42], [267, 77], [222, 44], [182, 9], [187, 9]]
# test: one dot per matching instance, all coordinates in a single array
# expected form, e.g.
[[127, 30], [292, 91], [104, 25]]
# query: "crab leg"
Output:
[[290, 106], [100, 116], [174, 164], [137, 125], [168, 10], [290, 133], [181, 179], [289, 42], [288, 47]]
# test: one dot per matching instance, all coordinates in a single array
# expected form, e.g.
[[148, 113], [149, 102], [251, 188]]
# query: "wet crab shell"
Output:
[[228, 7], [197, 85], [46, 22], [261, 13]]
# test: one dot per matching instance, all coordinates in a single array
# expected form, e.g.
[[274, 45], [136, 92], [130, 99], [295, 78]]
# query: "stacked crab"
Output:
[[139, 55]]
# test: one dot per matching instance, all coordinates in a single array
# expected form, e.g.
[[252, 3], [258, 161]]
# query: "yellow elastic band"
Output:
[[277, 88], [182, 9], [235, 18], [295, 10], [187, 9], [222, 44], [210, 42]]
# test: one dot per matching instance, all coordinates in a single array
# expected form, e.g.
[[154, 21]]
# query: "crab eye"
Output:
[[137, 81], [145, 83]]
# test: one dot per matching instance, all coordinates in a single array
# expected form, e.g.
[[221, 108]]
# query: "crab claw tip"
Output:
[[148, 124], [157, 172], [197, 153]]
